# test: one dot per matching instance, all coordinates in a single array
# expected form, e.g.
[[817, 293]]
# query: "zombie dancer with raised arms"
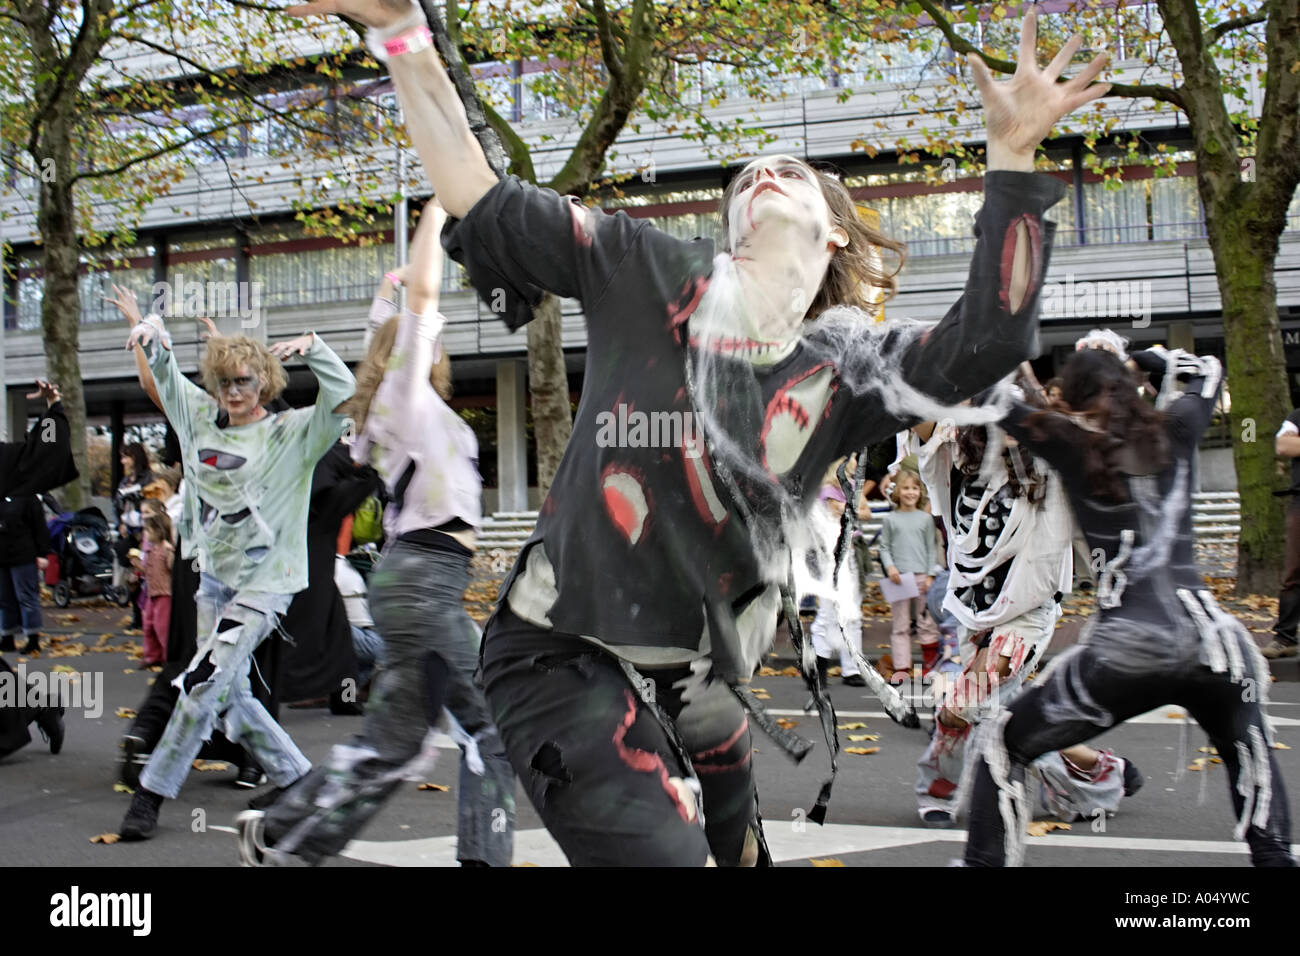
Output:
[[651, 584], [430, 642], [1158, 635], [248, 486]]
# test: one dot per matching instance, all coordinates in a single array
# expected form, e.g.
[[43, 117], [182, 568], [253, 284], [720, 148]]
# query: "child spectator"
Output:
[[907, 546], [158, 585]]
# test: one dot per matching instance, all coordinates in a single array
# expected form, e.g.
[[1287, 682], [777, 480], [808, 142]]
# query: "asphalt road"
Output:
[[51, 806]]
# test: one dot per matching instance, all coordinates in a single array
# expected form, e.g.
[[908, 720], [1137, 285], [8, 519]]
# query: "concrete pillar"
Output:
[[1182, 337], [15, 413], [116, 427], [512, 441]]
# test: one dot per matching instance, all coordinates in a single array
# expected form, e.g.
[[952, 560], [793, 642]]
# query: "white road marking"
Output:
[[538, 848], [1158, 716]]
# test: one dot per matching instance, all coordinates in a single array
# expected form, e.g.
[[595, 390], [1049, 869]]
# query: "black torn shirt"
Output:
[[638, 545]]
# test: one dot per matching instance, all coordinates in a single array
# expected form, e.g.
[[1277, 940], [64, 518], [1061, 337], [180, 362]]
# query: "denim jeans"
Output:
[[415, 597], [20, 599], [231, 625]]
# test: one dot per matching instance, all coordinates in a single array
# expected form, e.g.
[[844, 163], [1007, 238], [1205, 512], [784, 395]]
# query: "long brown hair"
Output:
[[1097, 383], [372, 368], [855, 270]]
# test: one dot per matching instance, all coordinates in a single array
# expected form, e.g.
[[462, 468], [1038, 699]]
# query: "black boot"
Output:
[[50, 723], [141, 817], [134, 757], [33, 644], [7, 643]]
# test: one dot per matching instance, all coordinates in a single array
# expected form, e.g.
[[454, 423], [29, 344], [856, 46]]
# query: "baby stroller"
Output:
[[84, 548]]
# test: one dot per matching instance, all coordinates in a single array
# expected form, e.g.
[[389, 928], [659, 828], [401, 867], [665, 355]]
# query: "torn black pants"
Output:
[[598, 764]]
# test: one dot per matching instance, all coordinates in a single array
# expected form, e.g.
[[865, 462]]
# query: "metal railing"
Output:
[[1216, 517]]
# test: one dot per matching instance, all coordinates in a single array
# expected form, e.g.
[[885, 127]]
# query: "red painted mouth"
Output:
[[760, 188]]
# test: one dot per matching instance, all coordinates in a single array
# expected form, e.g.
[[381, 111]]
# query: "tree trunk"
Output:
[[61, 303], [548, 388], [1245, 250]]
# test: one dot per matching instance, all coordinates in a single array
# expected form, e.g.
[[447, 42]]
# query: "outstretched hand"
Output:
[[372, 13], [143, 333], [1019, 113], [291, 347], [46, 390], [125, 301]]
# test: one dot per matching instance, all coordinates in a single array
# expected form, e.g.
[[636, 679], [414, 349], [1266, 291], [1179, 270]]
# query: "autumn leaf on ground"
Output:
[[1280, 746], [1216, 760], [789, 672], [204, 765], [433, 786], [68, 619], [862, 751], [833, 672], [882, 647], [1044, 827], [854, 726], [128, 670], [125, 712], [125, 621], [762, 695], [63, 669], [120, 787], [1198, 764], [826, 861], [1175, 715], [525, 863], [860, 737], [132, 632], [103, 639], [786, 722], [767, 671], [105, 838], [1206, 750]]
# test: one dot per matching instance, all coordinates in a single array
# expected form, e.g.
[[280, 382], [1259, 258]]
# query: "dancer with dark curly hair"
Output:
[[1158, 635]]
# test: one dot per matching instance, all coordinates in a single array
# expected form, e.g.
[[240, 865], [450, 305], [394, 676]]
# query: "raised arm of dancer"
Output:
[[179, 399], [336, 386], [413, 351], [993, 327], [1190, 413], [435, 118], [124, 300]]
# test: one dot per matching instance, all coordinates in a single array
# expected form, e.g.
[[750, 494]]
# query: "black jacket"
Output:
[[24, 536]]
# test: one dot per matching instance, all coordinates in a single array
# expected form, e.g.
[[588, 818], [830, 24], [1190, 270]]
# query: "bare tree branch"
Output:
[[1219, 30], [608, 51]]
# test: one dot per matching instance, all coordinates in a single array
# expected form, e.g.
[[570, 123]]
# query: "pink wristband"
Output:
[[393, 278], [412, 41]]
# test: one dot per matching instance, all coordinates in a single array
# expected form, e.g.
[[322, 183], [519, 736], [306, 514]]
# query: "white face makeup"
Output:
[[783, 191], [238, 393]]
